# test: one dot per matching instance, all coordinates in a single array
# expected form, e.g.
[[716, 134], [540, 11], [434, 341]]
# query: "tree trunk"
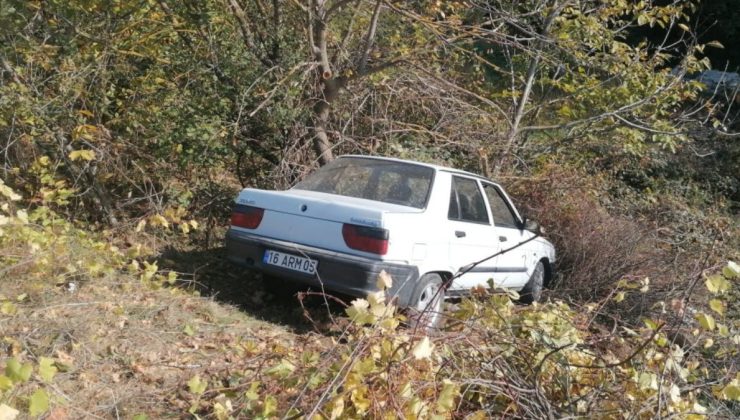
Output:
[[327, 84], [321, 143]]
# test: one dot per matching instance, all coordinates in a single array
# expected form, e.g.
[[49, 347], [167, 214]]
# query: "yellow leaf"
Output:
[[423, 349], [269, 407], [723, 330], [648, 380], [376, 299], [675, 393], [645, 285], [732, 270], [717, 284], [22, 215], [140, 226], [5, 383], [384, 281], [619, 297], [731, 392], [159, 220], [85, 131], [8, 192], [715, 44], [8, 308], [717, 306], [196, 385], [706, 321], [684, 27], [82, 154], [446, 400], [7, 412], [337, 408]]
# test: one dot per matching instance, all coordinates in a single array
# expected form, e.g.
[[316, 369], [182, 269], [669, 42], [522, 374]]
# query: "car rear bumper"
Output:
[[348, 274]]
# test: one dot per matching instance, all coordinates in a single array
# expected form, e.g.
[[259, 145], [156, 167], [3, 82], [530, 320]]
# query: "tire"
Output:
[[532, 291], [425, 307]]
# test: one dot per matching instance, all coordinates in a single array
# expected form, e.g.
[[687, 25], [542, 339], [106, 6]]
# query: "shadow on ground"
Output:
[[210, 273]]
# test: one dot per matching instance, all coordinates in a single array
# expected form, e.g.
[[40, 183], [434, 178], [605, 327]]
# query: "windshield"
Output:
[[373, 179]]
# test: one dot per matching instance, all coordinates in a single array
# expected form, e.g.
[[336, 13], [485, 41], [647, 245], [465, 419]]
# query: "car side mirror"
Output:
[[532, 226]]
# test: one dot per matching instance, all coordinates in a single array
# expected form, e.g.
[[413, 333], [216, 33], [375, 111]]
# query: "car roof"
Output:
[[429, 165]]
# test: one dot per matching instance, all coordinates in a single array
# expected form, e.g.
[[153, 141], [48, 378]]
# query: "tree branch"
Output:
[[369, 38]]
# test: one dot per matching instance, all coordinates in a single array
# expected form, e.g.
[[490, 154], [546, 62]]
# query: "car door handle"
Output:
[[502, 238], [460, 233]]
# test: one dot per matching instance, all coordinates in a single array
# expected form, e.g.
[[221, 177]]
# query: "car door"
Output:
[[472, 237], [510, 267]]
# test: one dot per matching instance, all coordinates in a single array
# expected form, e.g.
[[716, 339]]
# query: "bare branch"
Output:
[[369, 38]]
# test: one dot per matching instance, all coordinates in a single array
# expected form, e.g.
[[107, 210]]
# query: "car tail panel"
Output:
[[321, 220]]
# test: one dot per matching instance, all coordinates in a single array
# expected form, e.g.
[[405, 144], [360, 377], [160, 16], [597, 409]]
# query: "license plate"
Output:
[[289, 261]]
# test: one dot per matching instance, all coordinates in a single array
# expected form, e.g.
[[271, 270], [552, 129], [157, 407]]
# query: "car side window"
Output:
[[502, 214], [466, 201]]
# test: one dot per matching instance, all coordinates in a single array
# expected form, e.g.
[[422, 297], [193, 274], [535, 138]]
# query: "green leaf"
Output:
[[17, 372], [650, 324], [196, 385], [47, 370], [706, 321], [619, 297], [140, 416], [253, 392], [188, 330], [282, 369], [39, 403]]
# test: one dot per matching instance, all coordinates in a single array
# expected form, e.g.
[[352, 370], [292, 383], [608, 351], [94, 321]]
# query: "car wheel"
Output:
[[425, 308], [532, 291]]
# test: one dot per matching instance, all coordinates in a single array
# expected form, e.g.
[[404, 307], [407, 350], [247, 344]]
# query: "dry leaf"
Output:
[[423, 349], [385, 281]]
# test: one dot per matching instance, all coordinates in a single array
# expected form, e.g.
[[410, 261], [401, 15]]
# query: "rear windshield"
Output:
[[372, 179]]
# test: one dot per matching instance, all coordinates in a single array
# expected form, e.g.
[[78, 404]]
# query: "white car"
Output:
[[425, 225]]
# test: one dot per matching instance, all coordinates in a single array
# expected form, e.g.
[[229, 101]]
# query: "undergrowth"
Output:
[[91, 330]]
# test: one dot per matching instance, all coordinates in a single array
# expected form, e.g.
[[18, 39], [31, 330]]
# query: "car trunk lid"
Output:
[[315, 218]]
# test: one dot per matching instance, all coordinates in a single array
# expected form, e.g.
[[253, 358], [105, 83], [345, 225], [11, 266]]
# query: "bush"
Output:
[[595, 248]]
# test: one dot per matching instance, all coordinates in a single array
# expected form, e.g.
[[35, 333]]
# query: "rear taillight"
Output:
[[364, 238], [247, 217]]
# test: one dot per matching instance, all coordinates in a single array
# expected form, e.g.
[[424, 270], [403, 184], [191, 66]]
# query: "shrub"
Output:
[[595, 248]]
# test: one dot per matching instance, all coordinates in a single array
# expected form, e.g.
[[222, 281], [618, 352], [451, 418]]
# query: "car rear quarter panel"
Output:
[[421, 239]]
